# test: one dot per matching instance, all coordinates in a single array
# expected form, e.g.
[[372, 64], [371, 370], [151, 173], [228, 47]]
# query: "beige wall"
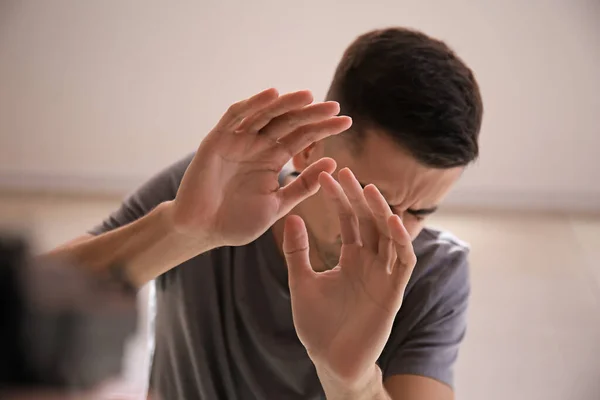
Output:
[[99, 94]]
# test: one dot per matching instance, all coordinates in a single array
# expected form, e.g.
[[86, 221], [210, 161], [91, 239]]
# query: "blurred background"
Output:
[[95, 96]]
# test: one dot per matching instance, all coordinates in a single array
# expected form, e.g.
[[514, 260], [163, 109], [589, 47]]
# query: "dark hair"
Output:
[[415, 89]]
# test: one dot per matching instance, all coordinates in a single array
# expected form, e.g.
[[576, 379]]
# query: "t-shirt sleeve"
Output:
[[430, 348], [158, 189]]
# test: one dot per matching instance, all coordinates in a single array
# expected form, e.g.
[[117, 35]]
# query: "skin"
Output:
[[413, 191], [346, 287], [230, 195]]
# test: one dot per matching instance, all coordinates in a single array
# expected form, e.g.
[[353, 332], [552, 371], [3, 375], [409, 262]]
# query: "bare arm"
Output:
[[229, 194], [397, 387], [143, 249], [413, 387], [368, 387]]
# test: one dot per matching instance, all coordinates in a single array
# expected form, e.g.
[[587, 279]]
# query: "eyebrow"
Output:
[[420, 212]]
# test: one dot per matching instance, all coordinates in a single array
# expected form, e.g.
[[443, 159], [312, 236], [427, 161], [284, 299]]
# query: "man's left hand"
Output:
[[344, 316]]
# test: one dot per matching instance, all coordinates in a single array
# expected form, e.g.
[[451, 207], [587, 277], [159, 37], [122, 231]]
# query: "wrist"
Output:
[[367, 385], [177, 226], [154, 244]]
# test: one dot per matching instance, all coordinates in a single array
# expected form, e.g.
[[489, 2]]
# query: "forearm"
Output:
[[144, 249], [368, 388]]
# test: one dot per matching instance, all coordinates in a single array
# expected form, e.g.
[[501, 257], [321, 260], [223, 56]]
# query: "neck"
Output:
[[315, 261]]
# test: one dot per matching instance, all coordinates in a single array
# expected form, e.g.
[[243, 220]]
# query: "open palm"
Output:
[[231, 189], [344, 316]]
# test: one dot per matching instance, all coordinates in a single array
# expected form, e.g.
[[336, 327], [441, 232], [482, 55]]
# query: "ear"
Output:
[[309, 155]]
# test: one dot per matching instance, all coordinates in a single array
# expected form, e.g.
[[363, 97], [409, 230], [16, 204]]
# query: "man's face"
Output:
[[412, 190]]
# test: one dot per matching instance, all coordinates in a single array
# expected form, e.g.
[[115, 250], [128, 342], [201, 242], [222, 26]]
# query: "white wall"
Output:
[[100, 94]]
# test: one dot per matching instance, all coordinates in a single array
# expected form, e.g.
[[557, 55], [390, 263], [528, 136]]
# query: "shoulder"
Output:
[[436, 297], [442, 265], [431, 323], [161, 187], [431, 240], [167, 181], [439, 248]]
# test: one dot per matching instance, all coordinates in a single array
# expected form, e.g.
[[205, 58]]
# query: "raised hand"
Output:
[[230, 191], [344, 316]]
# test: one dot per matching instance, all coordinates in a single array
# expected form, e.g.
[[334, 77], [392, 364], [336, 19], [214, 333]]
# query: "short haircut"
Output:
[[415, 89]]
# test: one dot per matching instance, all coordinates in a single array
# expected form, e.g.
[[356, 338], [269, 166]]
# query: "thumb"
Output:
[[304, 186], [295, 249]]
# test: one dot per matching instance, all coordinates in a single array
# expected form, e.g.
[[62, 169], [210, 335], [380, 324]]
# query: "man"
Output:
[[343, 320]]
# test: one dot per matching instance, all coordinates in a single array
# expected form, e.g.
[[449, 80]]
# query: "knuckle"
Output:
[[302, 131], [412, 259], [346, 215], [305, 185], [235, 110], [308, 135], [290, 121], [276, 125], [266, 121], [289, 152]]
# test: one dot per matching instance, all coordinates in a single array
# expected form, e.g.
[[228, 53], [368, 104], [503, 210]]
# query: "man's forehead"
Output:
[[399, 176], [421, 192]]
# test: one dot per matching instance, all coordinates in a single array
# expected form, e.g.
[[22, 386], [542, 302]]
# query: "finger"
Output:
[[406, 255], [382, 213], [304, 186], [349, 229], [296, 250], [354, 191], [240, 110], [284, 104], [290, 121], [301, 138]]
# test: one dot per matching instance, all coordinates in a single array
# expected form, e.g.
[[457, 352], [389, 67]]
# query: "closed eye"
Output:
[[419, 214]]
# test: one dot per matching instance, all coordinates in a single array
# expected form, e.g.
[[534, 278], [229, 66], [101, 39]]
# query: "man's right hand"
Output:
[[230, 193]]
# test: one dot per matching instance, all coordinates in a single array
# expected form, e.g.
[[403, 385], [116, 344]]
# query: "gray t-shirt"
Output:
[[224, 327]]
